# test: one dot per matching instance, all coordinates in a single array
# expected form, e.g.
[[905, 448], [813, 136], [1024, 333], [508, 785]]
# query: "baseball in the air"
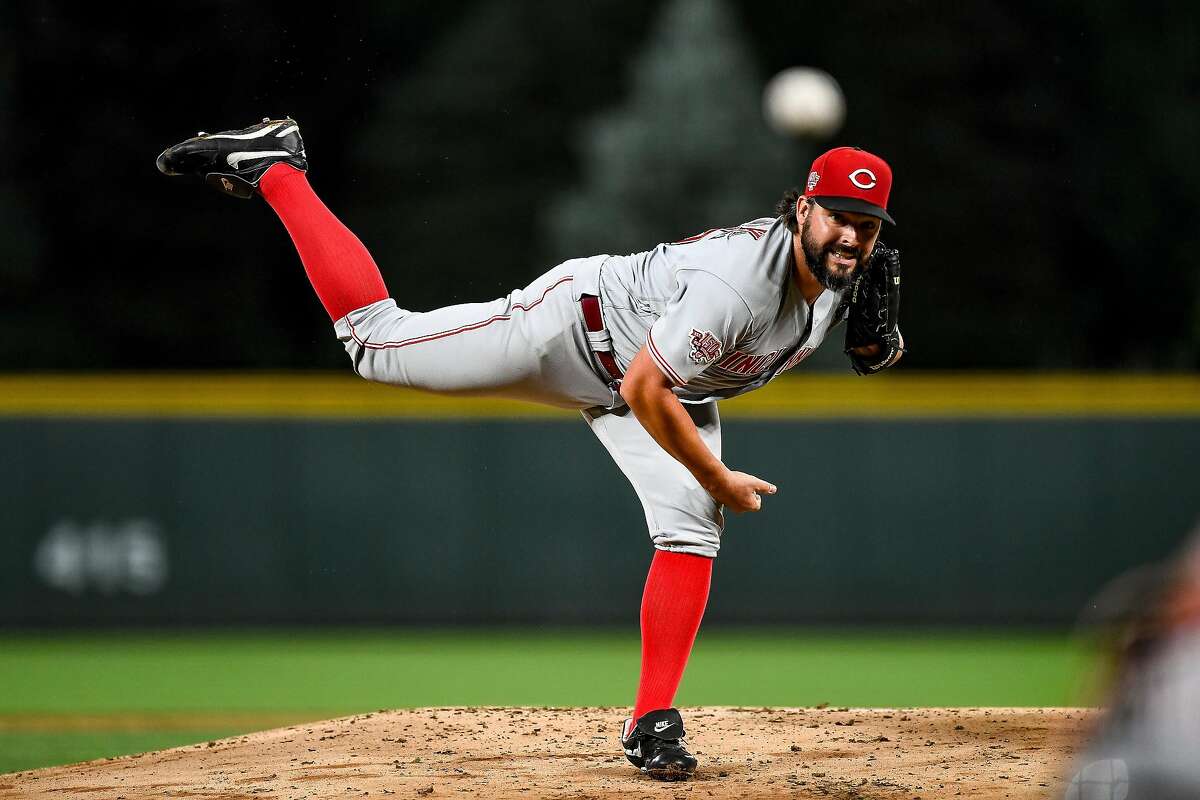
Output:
[[802, 101]]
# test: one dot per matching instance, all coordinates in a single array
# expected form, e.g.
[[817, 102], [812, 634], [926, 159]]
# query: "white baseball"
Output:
[[802, 101]]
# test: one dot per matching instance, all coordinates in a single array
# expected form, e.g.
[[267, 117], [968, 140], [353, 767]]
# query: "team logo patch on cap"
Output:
[[813, 179], [863, 178], [705, 347]]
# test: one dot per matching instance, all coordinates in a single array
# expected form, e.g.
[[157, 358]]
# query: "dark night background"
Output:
[[1045, 162]]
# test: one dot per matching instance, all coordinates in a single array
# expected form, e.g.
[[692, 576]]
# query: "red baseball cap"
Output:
[[851, 179]]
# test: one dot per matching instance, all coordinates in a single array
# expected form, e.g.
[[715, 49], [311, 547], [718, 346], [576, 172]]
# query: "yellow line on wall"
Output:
[[901, 395], [252, 395], [977, 395]]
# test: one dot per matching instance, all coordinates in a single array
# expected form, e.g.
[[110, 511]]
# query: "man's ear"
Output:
[[803, 207]]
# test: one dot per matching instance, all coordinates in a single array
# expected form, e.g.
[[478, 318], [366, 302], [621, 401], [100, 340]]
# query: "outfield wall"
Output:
[[321, 498]]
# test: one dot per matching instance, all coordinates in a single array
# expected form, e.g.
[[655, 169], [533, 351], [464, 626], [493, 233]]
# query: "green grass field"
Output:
[[69, 696]]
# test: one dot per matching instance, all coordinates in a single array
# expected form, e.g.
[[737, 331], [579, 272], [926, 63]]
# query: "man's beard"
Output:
[[818, 262]]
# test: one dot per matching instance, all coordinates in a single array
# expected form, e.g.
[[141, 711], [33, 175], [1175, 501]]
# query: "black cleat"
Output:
[[654, 744], [233, 162]]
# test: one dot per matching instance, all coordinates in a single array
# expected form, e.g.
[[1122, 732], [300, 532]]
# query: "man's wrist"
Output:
[[710, 476]]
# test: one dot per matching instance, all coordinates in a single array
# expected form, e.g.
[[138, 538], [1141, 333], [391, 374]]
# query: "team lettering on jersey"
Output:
[[740, 363], [797, 357], [706, 348]]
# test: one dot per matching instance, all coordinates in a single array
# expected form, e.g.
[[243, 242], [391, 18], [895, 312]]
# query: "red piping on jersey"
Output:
[[755, 233], [696, 237], [661, 362], [463, 329]]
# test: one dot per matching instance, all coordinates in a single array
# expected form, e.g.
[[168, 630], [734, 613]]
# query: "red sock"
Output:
[[672, 607], [339, 267]]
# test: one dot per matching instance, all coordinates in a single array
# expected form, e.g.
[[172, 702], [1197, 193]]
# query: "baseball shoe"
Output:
[[654, 744], [233, 162]]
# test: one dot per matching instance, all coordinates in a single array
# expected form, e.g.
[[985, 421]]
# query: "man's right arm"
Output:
[[647, 390]]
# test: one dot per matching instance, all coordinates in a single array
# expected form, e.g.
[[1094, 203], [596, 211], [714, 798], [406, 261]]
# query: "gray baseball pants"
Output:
[[532, 345]]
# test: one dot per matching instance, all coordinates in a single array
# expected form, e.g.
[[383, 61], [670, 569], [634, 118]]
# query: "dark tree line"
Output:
[[1045, 160]]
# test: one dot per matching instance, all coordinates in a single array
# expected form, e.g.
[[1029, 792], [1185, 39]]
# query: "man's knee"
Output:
[[364, 363], [695, 542], [365, 333]]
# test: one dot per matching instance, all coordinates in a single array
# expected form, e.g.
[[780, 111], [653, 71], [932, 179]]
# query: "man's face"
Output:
[[836, 244]]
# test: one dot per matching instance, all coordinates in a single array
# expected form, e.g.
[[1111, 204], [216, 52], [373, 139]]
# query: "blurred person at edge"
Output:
[[1147, 744]]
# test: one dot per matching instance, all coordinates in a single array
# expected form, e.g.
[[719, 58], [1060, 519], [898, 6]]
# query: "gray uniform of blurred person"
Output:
[[1147, 743]]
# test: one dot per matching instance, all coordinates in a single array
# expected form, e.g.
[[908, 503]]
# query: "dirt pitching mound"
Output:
[[561, 753]]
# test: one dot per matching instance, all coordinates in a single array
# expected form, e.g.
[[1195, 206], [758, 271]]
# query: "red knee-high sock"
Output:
[[339, 267], [672, 607]]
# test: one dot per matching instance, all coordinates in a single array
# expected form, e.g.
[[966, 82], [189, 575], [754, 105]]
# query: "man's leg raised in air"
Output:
[[528, 345], [269, 159], [339, 267]]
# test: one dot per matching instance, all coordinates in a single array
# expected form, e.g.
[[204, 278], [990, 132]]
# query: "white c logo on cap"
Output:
[[863, 171]]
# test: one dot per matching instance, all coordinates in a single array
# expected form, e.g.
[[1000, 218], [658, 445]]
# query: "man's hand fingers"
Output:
[[761, 488], [745, 493], [747, 501]]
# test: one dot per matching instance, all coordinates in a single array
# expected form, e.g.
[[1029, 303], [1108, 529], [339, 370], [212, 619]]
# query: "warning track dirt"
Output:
[[574, 752]]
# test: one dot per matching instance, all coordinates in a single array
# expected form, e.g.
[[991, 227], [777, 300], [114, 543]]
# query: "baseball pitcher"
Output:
[[643, 345]]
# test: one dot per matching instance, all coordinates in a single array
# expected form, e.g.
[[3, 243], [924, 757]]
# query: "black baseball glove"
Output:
[[873, 312]]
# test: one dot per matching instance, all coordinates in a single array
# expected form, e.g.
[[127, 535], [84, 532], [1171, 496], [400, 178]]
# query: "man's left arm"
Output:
[[873, 338]]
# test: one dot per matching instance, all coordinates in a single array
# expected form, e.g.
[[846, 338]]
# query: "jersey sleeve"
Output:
[[705, 319]]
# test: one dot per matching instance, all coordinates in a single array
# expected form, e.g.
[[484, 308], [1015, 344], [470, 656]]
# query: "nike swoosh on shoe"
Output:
[[234, 159]]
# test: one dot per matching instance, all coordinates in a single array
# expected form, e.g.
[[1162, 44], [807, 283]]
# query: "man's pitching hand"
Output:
[[739, 491]]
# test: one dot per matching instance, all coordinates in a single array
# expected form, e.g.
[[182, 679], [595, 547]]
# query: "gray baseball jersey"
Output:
[[720, 313]]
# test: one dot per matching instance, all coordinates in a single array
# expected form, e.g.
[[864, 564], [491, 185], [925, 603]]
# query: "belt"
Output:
[[598, 336]]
